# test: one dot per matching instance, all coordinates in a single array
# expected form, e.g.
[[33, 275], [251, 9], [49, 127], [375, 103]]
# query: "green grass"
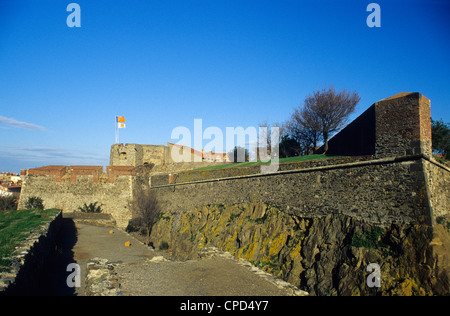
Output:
[[15, 227], [441, 160], [257, 163]]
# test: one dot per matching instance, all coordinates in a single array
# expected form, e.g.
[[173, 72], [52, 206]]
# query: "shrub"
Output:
[[133, 226], [145, 210], [8, 203], [91, 208], [369, 239], [34, 203], [164, 245]]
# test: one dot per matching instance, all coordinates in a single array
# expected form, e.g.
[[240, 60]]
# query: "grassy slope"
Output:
[[282, 160], [15, 227]]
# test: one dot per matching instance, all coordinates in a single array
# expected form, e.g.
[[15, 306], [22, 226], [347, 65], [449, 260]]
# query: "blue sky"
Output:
[[162, 64]]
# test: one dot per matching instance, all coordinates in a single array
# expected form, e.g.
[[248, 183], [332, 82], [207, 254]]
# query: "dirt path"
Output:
[[94, 241], [145, 272]]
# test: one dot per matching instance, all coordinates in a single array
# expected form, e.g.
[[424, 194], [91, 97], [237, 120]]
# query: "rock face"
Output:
[[328, 255], [101, 279]]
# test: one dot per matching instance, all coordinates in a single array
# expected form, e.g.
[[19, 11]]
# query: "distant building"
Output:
[[160, 155], [7, 189]]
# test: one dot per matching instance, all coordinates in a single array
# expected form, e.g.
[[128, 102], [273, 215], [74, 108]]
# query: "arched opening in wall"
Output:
[[123, 156]]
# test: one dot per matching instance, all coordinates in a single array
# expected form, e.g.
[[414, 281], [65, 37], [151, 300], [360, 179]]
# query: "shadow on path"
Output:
[[53, 278]]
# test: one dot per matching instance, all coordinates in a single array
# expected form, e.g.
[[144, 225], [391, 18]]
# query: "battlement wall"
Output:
[[376, 191], [71, 173], [392, 179], [69, 187]]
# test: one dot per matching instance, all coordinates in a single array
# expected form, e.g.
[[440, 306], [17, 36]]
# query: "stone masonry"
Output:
[[68, 188], [396, 126]]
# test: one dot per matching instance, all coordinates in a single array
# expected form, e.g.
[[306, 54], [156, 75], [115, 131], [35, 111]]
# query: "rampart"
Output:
[[390, 176], [409, 189], [69, 187]]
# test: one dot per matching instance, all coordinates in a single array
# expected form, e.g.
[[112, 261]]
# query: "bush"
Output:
[[145, 210], [133, 226], [369, 239], [34, 203], [8, 203], [164, 245], [91, 208]]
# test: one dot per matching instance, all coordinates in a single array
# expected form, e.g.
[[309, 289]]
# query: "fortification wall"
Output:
[[380, 191], [438, 185], [68, 188], [211, 174], [139, 155], [396, 182]]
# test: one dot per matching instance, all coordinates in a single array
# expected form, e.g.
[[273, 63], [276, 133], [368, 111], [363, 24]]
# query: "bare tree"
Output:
[[327, 111], [267, 134], [305, 129], [145, 209]]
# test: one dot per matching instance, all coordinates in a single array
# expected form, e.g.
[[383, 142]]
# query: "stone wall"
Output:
[[357, 138], [380, 191], [157, 157], [438, 186], [68, 188], [403, 125], [214, 174], [30, 259], [396, 126], [139, 155]]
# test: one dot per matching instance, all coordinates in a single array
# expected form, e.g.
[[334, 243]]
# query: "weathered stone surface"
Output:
[[324, 256], [381, 192], [101, 279], [69, 196]]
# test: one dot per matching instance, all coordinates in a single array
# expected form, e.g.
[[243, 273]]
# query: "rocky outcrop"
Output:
[[102, 279], [327, 255]]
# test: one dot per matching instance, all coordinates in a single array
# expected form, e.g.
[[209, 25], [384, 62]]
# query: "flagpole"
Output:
[[117, 131]]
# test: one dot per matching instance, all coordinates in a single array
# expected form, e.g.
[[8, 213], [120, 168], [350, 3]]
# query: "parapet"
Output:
[[71, 173], [57, 171]]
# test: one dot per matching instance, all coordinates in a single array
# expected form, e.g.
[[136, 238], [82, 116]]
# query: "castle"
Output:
[[388, 175]]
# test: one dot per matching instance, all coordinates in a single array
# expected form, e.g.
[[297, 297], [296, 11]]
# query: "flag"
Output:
[[120, 123]]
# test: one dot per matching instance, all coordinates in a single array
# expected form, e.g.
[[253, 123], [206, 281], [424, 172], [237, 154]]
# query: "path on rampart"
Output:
[[140, 275]]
